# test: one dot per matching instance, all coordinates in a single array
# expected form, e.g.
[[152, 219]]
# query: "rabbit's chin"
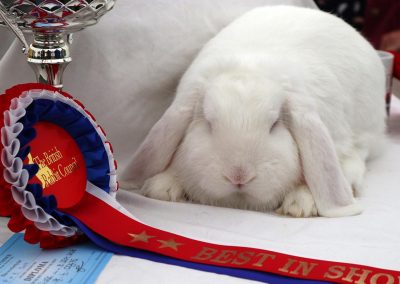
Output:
[[249, 197], [240, 200]]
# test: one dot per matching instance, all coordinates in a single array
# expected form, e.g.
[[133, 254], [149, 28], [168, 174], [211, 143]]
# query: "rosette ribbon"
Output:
[[59, 185]]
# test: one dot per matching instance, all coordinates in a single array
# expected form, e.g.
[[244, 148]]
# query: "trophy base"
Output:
[[48, 56]]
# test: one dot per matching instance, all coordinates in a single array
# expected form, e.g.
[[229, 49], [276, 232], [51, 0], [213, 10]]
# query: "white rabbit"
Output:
[[279, 111]]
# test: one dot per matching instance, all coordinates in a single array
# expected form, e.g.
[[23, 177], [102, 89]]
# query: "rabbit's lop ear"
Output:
[[158, 148], [321, 168]]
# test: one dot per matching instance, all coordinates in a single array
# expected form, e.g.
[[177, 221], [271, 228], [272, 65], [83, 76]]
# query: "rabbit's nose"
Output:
[[240, 176]]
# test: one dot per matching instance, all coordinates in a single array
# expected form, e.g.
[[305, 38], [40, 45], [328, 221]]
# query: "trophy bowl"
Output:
[[50, 21]]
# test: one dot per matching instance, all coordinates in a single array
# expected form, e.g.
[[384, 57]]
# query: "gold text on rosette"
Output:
[[53, 166]]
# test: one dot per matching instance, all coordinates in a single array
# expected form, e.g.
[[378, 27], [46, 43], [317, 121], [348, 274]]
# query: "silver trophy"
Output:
[[52, 23]]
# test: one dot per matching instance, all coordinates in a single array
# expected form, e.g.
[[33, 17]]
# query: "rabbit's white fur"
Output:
[[279, 111]]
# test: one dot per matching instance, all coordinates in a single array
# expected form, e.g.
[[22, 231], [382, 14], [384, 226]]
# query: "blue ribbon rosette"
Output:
[[52, 149]]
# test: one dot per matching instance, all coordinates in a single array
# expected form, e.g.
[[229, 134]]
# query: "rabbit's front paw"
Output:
[[298, 203], [354, 169], [163, 186]]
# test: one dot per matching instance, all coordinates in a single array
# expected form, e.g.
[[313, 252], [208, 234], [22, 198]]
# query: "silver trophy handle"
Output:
[[16, 30]]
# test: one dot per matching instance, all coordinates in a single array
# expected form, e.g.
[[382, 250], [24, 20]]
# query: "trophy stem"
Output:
[[48, 55]]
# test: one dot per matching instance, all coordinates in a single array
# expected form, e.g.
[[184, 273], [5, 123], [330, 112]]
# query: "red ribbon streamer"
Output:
[[122, 230]]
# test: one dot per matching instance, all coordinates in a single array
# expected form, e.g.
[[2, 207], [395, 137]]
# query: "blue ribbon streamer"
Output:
[[235, 272]]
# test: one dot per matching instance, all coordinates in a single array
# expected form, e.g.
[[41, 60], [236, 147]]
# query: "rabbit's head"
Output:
[[238, 150]]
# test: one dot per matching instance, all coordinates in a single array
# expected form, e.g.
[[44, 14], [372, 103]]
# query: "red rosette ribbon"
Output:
[[8, 204]]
